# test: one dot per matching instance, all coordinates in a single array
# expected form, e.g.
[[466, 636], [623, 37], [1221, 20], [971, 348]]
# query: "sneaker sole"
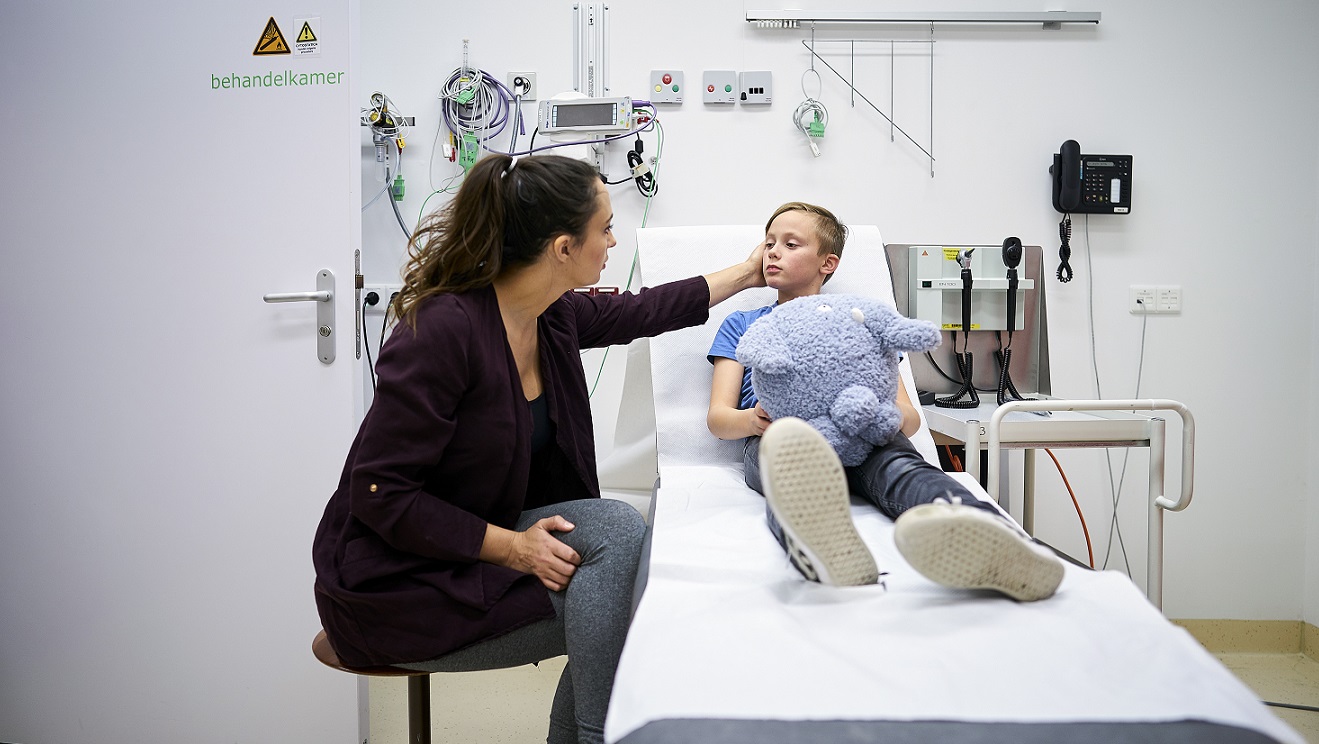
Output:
[[965, 548], [807, 491]]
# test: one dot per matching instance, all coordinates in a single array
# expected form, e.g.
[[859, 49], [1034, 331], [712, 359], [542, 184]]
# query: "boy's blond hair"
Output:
[[831, 232]]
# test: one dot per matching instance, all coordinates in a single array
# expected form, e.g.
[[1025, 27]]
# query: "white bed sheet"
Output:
[[728, 629]]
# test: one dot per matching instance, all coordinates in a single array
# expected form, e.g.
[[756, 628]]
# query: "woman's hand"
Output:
[[728, 282], [758, 420], [755, 265], [538, 552]]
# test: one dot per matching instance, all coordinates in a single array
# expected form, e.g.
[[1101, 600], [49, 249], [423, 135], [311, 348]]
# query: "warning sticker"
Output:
[[958, 326], [308, 43], [950, 254], [272, 40]]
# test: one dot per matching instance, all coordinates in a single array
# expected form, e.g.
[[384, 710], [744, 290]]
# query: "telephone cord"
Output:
[[1065, 249]]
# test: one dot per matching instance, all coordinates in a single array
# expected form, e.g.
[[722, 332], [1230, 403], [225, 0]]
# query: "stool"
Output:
[[419, 687]]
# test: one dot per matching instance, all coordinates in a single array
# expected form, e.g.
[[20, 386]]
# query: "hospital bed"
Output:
[[730, 644]]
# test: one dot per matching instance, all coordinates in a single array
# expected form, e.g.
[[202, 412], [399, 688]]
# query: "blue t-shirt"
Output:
[[725, 345]]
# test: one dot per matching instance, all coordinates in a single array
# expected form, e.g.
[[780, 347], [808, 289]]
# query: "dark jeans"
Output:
[[894, 478]]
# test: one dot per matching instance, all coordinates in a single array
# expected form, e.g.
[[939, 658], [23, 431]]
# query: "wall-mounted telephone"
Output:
[[1090, 184]]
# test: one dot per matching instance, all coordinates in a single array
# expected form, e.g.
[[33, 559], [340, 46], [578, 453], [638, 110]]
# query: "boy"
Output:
[[945, 532]]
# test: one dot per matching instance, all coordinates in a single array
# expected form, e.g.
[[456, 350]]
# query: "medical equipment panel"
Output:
[[589, 115], [927, 284], [936, 284]]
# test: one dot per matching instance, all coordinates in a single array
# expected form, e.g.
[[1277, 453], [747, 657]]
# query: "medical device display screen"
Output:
[[585, 115], [595, 115]]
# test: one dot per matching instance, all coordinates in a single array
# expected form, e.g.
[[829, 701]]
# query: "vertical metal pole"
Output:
[[892, 75], [603, 62], [577, 48], [419, 709], [1154, 559], [850, 83], [972, 459], [931, 100], [1028, 492]]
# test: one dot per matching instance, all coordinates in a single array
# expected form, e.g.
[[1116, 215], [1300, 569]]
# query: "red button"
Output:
[[710, 88], [667, 78]]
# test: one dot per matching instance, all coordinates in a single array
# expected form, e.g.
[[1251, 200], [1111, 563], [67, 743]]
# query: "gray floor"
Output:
[[511, 706]]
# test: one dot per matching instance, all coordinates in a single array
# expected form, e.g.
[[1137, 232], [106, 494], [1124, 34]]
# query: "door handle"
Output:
[[324, 299]]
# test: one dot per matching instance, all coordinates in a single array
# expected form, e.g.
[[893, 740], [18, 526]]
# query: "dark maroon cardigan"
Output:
[[446, 449]]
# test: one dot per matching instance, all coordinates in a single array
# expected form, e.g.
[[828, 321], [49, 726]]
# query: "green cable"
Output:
[[645, 215]]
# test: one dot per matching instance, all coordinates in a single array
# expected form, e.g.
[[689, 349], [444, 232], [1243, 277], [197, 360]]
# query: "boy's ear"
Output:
[[830, 264]]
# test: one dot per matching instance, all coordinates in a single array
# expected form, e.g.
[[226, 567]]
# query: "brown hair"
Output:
[[503, 217], [831, 232]]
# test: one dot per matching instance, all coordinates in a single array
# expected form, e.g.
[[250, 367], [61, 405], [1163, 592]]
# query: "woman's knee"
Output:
[[603, 524]]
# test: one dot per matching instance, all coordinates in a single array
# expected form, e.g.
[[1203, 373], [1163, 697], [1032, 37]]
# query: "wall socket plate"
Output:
[[666, 91], [524, 81], [756, 86], [719, 86], [385, 291], [1155, 299]]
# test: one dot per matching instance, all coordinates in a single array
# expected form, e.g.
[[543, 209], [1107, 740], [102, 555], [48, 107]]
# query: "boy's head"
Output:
[[803, 244]]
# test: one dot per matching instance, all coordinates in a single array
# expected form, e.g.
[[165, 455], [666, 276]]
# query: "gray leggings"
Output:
[[591, 620]]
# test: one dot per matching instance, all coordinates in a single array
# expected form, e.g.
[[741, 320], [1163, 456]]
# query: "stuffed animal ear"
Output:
[[914, 335], [763, 349], [895, 331]]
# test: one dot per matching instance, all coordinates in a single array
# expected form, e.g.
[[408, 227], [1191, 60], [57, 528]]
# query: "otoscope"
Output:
[[1011, 258], [964, 359]]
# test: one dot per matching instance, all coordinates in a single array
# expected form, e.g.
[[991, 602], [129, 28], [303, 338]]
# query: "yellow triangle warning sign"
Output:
[[306, 34], [272, 40]]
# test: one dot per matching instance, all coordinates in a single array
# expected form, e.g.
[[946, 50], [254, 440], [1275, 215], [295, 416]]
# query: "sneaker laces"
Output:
[[948, 498]]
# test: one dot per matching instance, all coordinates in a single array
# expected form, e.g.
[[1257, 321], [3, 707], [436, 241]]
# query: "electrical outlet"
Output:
[[756, 87], [1144, 300], [524, 83], [384, 293], [1169, 299]]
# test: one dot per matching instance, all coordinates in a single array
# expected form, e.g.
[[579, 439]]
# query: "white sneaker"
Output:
[[968, 548], [807, 492]]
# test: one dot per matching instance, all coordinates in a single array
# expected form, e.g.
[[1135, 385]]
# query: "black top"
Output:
[[542, 429]]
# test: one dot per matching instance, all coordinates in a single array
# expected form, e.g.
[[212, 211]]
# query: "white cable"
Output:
[[817, 111]]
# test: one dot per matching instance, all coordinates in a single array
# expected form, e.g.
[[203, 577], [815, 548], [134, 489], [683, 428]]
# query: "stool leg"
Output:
[[419, 709]]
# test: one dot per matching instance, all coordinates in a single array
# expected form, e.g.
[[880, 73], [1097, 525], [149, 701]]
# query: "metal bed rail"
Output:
[[1158, 502]]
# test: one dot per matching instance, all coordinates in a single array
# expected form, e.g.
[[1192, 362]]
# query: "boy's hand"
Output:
[[759, 420]]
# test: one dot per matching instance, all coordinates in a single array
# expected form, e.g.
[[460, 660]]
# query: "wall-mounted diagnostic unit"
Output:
[[587, 115], [936, 288]]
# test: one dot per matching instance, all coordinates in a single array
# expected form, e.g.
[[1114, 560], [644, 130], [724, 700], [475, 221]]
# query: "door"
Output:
[[168, 439]]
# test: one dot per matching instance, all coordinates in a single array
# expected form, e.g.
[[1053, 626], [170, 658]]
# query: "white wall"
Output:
[[1216, 101]]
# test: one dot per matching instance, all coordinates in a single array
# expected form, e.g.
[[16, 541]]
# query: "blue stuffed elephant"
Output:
[[832, 360]]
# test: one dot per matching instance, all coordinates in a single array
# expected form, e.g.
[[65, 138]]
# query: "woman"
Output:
[[467, 531]]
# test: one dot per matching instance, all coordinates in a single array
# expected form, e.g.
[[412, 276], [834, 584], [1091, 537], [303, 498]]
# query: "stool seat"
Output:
[[320, 646], [419, 698]]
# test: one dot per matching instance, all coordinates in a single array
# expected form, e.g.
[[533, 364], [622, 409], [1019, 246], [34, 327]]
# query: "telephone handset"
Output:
[[1090, 184], [1086, 184]]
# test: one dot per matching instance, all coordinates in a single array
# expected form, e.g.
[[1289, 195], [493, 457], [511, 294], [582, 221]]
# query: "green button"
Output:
[[675, 87], [728, 89]]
